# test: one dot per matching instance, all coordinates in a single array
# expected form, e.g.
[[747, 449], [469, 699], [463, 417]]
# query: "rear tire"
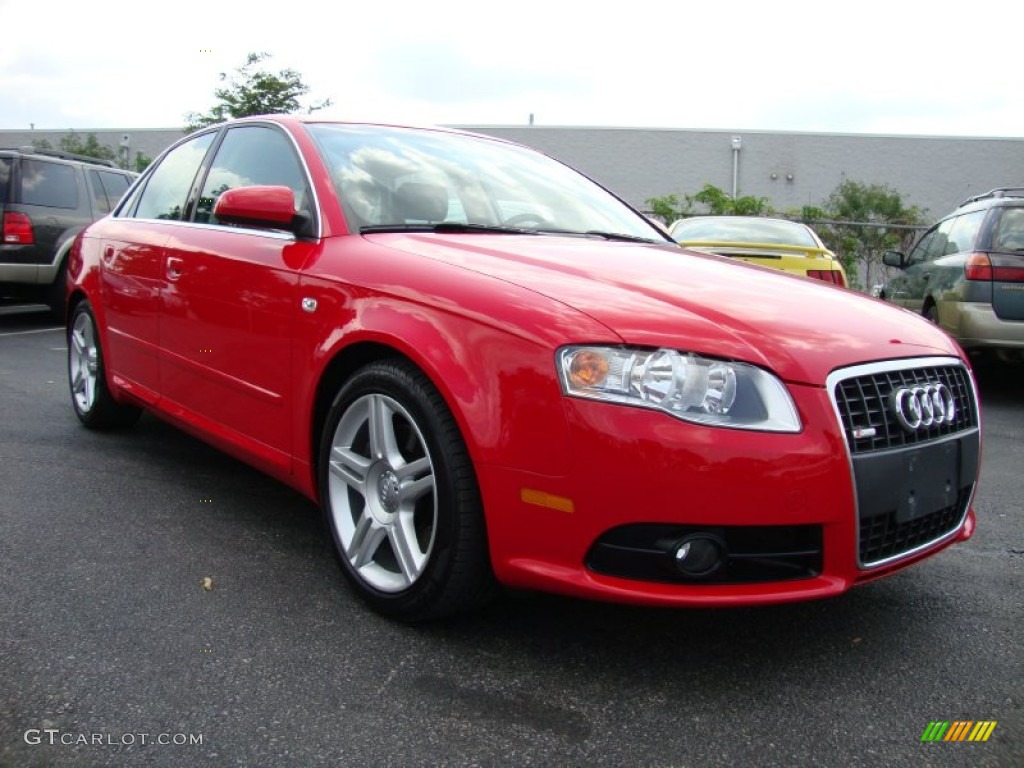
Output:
[[400, 496], [90, 397], [56, 294], [931, 313]]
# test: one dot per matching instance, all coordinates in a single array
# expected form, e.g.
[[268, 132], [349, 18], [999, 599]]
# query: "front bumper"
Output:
[[640, 474]]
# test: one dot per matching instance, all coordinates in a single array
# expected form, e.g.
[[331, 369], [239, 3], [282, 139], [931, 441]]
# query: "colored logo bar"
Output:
[[958, 730]]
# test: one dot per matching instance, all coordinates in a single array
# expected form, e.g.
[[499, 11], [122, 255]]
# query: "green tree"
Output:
[[72, 142], [142, 161], [665, 207], [720, 203], [254, 91], [712, 200], [862, 221]]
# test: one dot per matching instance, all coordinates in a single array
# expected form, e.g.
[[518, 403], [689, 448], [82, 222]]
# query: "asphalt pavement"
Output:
[[164, 605]]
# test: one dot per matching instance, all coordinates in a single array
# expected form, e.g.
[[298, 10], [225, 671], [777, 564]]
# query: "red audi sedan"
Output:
[[488, 370]]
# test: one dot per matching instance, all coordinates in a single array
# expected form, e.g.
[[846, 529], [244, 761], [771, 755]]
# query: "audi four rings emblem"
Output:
[[927, 405]]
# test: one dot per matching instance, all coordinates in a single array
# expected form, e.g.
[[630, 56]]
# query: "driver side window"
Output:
[[919, 253], [933, 245], [251, 155]]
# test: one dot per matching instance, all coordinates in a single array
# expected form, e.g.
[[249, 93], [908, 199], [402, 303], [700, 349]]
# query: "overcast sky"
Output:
[[900, 67]]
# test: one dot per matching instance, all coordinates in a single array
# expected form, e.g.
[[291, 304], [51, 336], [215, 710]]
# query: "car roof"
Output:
[[59, 154], [995, 198], [326, 120]]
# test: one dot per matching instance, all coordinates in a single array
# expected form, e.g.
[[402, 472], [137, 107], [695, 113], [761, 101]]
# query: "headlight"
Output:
[[685, 385]]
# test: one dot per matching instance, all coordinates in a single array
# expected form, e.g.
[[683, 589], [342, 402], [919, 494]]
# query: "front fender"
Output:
[[501, 388]]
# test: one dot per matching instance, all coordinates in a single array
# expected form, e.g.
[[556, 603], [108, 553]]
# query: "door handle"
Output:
[[175, 267]]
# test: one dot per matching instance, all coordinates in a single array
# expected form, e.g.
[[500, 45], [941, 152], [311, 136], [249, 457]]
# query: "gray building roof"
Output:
[[790, 169]]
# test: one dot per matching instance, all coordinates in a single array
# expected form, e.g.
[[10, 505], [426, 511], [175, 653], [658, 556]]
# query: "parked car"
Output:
[[489, 370], [967, 273], [46, 198], [787, 245]]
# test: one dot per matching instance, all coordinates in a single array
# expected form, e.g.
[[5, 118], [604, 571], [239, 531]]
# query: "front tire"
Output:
[[90, 397], [400, 496]]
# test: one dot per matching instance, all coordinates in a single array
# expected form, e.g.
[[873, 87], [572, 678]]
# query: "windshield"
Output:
[[742, 230], [399, 178]]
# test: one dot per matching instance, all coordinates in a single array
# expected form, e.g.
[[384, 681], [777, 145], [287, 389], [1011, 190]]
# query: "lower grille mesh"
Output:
[[881, 536]]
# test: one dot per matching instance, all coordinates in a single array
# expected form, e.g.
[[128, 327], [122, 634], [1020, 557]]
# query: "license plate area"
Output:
[[913, 482]]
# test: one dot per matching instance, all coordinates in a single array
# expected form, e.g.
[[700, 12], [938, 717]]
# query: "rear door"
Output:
[[132, 271]]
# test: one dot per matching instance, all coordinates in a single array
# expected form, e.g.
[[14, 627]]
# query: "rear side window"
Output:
[[168, 186], [5, 178], [100, 203], [107, 189], [115, 185], [1009, 235], [48, 184]]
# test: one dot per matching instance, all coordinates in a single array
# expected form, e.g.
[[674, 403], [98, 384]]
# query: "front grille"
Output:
[[883, 537], [913, 486], [868, 418], [751, 554]]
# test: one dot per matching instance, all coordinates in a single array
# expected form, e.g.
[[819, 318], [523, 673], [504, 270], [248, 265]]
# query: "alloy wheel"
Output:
[[383, 496]]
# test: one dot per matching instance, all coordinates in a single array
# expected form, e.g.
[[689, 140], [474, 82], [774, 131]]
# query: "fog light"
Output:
[[699, 554]]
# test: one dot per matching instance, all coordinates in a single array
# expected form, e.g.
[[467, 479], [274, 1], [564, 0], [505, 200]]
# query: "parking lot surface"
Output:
[[163, 605]]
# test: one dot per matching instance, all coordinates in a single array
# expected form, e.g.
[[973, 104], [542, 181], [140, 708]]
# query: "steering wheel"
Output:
[[525, 218]]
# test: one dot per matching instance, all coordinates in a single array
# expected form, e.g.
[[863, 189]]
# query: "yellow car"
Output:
[[786, 245]]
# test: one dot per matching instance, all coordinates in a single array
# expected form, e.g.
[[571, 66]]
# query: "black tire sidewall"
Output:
[[56, 294], [105, 413], [87, 417], [407, 386]]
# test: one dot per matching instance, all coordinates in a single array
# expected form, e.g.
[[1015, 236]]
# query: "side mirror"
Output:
[[894, 259], [261, 206]]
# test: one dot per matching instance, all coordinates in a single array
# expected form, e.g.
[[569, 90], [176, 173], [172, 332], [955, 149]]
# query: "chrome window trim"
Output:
[[275, 234], [136, 188]]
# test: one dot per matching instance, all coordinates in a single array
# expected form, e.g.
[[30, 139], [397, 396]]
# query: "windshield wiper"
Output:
[[446, 226], [616, 236], [620, 237], [457, 226]]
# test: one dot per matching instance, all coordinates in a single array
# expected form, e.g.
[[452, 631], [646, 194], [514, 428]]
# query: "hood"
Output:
[[663, 296]]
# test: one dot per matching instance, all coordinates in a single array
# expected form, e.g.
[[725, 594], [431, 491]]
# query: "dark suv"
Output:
[[967, 273], [46, 198]]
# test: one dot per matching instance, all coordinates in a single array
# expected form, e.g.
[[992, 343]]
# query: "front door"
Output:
[[230, 303]]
